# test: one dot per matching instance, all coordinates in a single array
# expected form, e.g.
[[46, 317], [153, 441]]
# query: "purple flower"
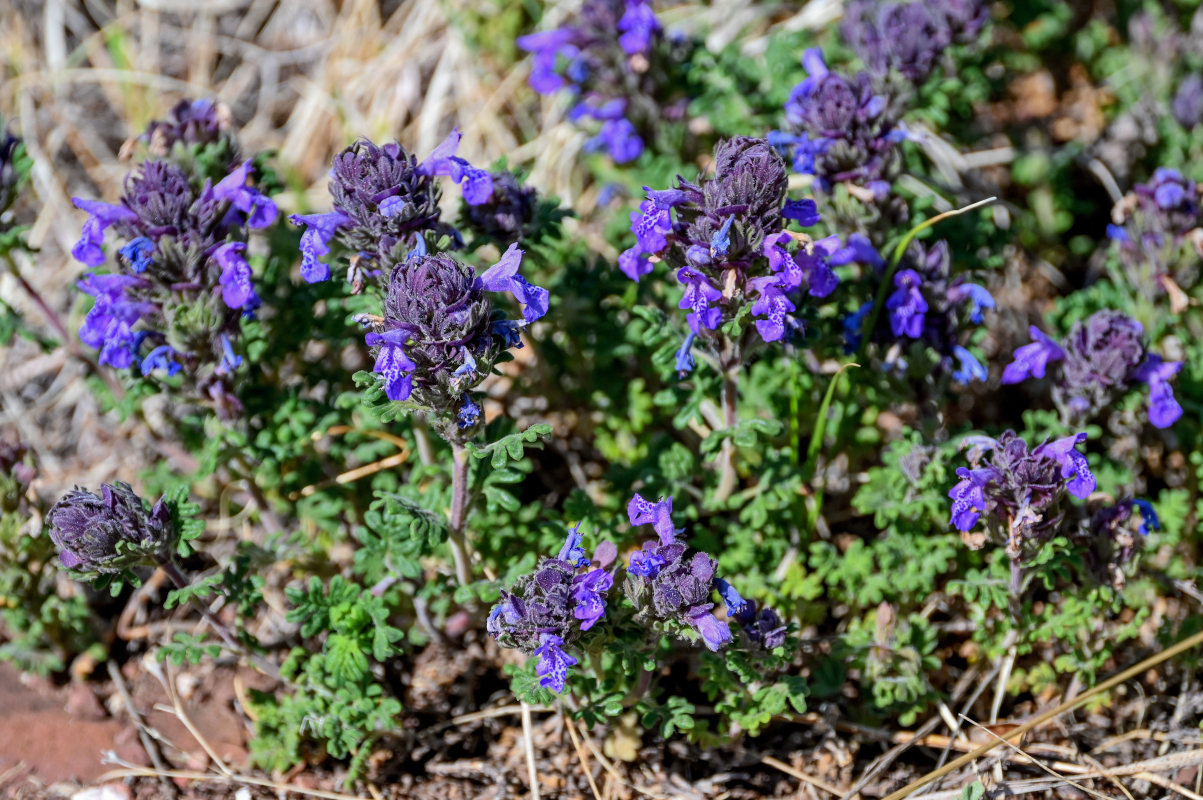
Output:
[[468, 415], [638, 26], [658, 515], [715, 633], [260, 210], [804, 212], [554, 662], [476, 184], [970, 368], [620, 139], [108, 326], [1187, 105], [968, 499], [1073, 464], [588, 590], [503, 276], [906, 305], [773, 304], [101, 216], [161, 357], [320, 229], [236, 288], [1033, 359], [1164, 410], [699, 295]]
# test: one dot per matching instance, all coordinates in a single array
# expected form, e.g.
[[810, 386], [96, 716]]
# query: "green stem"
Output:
[[888, 279]]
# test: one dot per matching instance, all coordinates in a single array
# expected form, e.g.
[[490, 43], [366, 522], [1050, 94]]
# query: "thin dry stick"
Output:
[[148, 743], [1166, 783], [528, 742], [802, 776], [1041, 764], [1186, 644], [615, 774], [576, 744], [133, 771], [177, 708]]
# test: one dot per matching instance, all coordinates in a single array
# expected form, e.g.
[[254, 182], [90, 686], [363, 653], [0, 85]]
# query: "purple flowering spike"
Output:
[[1073, 464], [100, 217], [906, 305], [658, 514], [804, 212], [1031, 360], [554, 662], [236, 288], [503, 276], [259, 208], [315, 241], [714, 633]]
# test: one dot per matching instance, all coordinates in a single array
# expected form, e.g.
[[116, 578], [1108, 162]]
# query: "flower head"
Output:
[[110, 532], [1019, 490], [545, 612]]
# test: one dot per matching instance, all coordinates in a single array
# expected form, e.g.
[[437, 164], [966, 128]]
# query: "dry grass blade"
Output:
[[580, 754], [802, 776], [1186, 644]]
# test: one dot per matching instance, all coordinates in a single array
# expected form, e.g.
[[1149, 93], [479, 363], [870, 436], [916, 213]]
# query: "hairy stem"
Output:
[[175, 576], [726, 458], [459, 509]]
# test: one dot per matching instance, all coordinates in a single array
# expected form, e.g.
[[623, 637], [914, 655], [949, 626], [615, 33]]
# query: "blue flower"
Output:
[[392, 363], [1164, 409], [773, 304], [714, 633], [620, 139], [970, 368], [587, 590], [968, 498], [720, 242], [138, 253], [685, 362], [476, 184], [469, 414], [804, 212], [638, 26], [1149, 518], [735, 604], [162, 357], [906, 305], [699, 295]]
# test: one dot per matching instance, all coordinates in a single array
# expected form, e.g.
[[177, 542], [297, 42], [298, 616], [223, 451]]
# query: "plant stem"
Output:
[[459, 508], [69, 341], [175, 576], [726, 458]]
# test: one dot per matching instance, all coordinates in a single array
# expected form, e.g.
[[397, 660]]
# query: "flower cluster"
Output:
[[727, 242], [909, 37], [669, 585], [1100, 360], [842, 130], [1157, 229], [440, 336], [509, 213], [545, 612], [385, 202], [927, 307], [1115, 533], [183, 281], [110, 532], [1019, 490], [608, 59], [194, 125]]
